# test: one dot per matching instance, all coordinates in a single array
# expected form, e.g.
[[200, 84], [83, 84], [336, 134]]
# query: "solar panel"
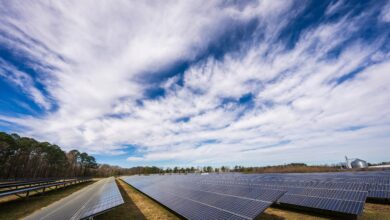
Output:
[[90, 201], [36, 187], [344, 192], [344, 206], [108, 197], [376, 183], [25, 183], [193, 210], [313, 192], [236, 202], [349, 202], [245, 191]]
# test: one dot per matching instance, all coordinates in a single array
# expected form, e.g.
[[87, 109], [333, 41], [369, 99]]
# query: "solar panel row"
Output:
[[336, 205], [244, 191], [376, 183], [331, 193], [309, 190], [379, 194], [239, 206], [350, 202], [191, 209], [25, 183], [40, 186], [88, 202], [106, 198]]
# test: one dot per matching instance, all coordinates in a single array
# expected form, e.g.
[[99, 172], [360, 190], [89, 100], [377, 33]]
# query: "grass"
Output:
[[279, 214], [137, 206], [371, 212], [376, 211], [13, 208]]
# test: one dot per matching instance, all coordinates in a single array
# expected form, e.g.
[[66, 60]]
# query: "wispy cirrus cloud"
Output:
[[249, 83]]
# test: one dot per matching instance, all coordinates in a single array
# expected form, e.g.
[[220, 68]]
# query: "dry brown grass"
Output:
[[376, 211], [279, 214], [21, 207], [371, 212], [137, 206]]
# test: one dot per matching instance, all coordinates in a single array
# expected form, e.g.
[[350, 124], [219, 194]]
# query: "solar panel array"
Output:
[[192, 199], [88, 202], [316, 194], [25, 183], [377, 184], [244, 196], [20, 188], [303, 190]]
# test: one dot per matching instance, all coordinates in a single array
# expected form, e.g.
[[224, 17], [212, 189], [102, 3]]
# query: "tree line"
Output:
[[285, 168], [24, 157]]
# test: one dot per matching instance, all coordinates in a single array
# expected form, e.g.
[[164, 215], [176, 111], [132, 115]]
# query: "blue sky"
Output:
[[194, 83]]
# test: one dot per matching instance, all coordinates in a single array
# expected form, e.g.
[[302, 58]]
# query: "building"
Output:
[[358, 163], [351, 163]]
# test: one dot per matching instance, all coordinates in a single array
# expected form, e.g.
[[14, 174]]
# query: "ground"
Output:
[[371, 212], [144, 208], [279, 214], [138, 206], [16, 208], [376, 211]]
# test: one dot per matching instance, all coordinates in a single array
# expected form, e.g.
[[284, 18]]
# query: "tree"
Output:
[[23, 157], [7, 151], [73, 157]]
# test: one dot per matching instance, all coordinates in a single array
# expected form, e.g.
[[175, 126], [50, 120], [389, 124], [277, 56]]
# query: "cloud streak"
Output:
[[256, 98]]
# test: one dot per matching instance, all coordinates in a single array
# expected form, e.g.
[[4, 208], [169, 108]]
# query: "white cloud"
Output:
[[102, 58], [333, 7], [24, 82], [385, 13], [135, 159]]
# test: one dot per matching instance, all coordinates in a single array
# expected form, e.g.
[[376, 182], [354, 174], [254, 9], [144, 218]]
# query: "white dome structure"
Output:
[[358, 163]]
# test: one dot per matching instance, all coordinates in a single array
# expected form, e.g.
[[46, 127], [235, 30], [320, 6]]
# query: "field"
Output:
[[139, 206], [144, 208]]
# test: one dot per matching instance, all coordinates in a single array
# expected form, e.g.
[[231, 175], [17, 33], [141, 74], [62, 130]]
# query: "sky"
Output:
[[195, 83]]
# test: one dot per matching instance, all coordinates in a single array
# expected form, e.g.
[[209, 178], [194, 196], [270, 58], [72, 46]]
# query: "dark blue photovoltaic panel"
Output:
[[109, 198], [336, 205], [26, 188], [376, 183], [350, 202], [187, 207], [247, 195], [237, 202], [240, 190], [86, 203], [330, 193]]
